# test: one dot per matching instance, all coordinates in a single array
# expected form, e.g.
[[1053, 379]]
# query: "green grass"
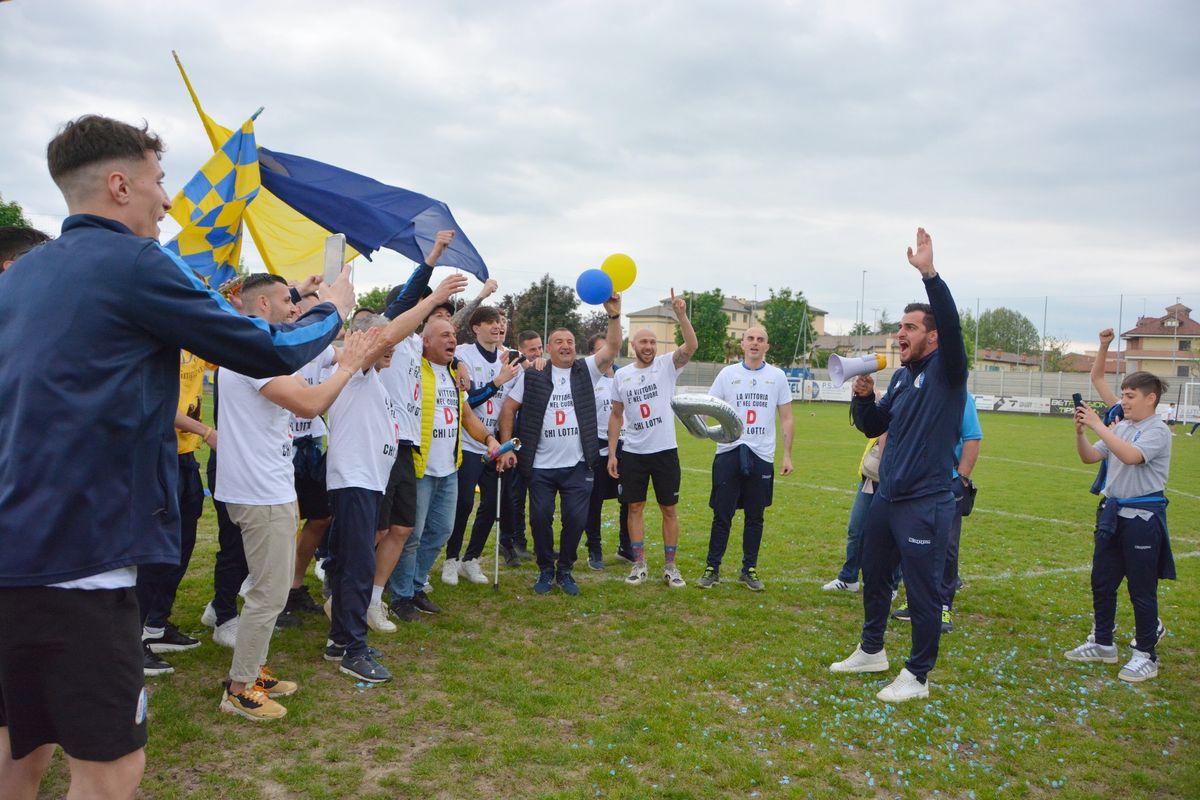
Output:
[[653, 692]]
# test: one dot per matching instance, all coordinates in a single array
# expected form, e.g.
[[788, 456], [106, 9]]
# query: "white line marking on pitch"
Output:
[[1039, 573]]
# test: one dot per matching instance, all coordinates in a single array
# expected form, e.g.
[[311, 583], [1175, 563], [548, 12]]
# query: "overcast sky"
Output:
[[1049, 148]]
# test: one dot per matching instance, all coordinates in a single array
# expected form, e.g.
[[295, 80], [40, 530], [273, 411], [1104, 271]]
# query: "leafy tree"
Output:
[[1056, 354], [373, 299], [594, 323], [11, 214], [886, 326], [860, 329], [967, 320], [527, 310], [733, 349], [1008, 330], [784, 316], [710, 322]]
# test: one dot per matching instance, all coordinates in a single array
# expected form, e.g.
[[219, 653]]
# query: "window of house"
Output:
[[1185, 344], [1183, 372]]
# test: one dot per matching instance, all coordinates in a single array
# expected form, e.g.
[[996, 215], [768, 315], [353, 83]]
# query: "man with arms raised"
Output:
[[743, 472], [104, 439], [559, 445], [642, 395], [913, 509]]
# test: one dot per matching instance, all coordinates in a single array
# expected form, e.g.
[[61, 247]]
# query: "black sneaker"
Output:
[[625, 555], [287, 620], [423, 604], [153, 665], [170, 640], [336, 652], [565, 581], [365, 668], [300, 601], [523, 553], [511, 559], [596, 561], [405, 611], [902, 614]]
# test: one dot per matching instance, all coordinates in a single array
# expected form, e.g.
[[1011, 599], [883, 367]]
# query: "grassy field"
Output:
[[653, 692]]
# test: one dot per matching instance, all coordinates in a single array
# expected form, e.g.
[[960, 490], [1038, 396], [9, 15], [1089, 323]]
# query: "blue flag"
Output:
[[371, 214]]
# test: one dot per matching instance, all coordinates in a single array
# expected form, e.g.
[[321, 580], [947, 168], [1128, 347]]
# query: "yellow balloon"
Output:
[[621, 269]]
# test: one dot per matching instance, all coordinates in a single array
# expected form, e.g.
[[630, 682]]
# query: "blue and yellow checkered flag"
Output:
[[210, 208]]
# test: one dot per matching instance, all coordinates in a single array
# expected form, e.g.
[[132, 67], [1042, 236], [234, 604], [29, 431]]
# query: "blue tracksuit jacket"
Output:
[[91, 325], [921, 411]]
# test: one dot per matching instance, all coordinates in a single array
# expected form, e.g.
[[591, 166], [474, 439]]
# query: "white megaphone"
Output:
[[842, 368]]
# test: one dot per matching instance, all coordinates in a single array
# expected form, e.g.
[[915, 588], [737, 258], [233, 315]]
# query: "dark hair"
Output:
[[362, 310], [485, 315], [1145, 383], [17, 240], [92, 139], [599, 337], [527, 335], [929, 322], [256, 282], [448, 305]]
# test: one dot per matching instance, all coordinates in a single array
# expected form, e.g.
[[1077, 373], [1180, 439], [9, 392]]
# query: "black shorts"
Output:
[[399, 504], [311, 492], [71, 671], [637, 470]]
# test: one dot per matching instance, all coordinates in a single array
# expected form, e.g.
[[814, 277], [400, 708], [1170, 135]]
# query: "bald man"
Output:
[[743, 471], [642, 409]]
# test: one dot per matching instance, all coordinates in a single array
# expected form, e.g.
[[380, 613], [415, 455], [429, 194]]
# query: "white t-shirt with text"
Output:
[[560, 444], [363, 432], [483, 372], [755, 394], [445, 425], [313, 373], [403, 383], [646, 393], [255, 463]]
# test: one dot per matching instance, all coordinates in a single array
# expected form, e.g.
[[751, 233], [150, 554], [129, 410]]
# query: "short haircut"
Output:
[[362, 310], [527, 335], [17, 240], [563, 330], [364, 322], [257, 282], [485, 315], [599, 337], [448, 305], [1145, 383], [93, 139], [930, 322]]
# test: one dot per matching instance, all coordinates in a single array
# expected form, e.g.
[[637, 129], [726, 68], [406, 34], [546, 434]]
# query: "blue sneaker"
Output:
[[544, 582], [566, 582], [364, 668]]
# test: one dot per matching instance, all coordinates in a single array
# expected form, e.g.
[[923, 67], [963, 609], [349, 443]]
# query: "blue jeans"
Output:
[[436, 501], [854, 535]]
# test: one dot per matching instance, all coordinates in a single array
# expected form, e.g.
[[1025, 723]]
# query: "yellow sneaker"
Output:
[[273, 686], [251, 703]]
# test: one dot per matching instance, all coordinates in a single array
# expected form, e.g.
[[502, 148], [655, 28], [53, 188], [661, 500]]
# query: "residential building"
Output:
[[1167, 346], [740, 312]]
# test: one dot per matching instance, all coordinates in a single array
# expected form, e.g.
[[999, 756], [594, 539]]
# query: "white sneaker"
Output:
[[1140, 668], [673, 578], [427, 588], [450, 572], [862, 662], [226, 633], [377, 618], [905, 687], [1090, 651], [208, 616], [638, 574], [839, 585], [472, 571]]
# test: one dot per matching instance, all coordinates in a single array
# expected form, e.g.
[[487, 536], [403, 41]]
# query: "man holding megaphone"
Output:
[[911, 514]]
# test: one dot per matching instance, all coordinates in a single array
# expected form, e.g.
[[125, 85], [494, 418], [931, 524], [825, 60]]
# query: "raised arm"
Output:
[[304, 400], [410, 294], [949, 328], [404, 325], [463, 315], [611, 348], [683, 354], [1098, 383]]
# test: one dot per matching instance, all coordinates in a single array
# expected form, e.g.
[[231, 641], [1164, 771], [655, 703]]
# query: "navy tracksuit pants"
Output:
[[914, 534], [573, 485], [604, 487], [1130, 553], [350, 569], [158, 583], [740, 479], [475, 471]]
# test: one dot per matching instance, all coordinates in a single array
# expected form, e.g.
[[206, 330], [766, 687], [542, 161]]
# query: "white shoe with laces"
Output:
[[860, 661], [1140, 668], [905, 687], [377, 618], [672, 577], [638, 574], [208, 617], [472, 571], [1092, 652], [839, 585], [450, 572]]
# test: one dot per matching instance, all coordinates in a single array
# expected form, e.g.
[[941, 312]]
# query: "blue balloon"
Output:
[[594, 286]]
